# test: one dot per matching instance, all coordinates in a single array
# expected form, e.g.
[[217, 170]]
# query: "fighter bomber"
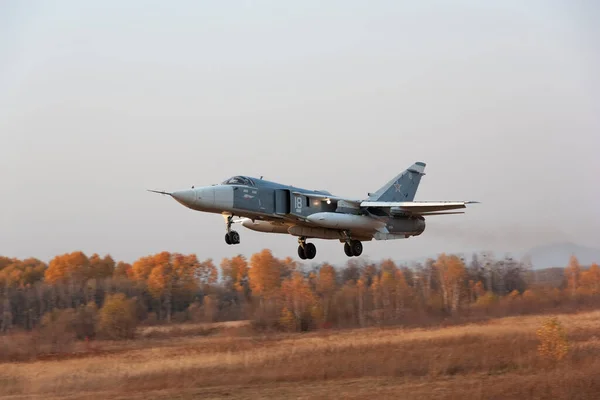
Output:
[[260, 205]]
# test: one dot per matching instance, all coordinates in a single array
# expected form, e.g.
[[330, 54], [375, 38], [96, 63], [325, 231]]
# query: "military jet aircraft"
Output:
[[389, 213]]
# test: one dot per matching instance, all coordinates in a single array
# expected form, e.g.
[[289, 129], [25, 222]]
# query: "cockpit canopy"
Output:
[[239, 180]]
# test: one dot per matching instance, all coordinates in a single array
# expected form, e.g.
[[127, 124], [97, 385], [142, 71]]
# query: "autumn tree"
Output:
[[101, 267], [264, 274], [300, 301], [573, 275], [326, 287], [235, 275], [68, 267], [390, 290], [288, 267], [123, 270], [451, 271], [142, 267], [590, 280], [206, 272], [21, 273], [172, 276]]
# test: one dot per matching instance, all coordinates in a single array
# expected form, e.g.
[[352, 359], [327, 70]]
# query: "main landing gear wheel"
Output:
[[310, 250], [353, 248], [306, 250], [301, 252], [348, 249]]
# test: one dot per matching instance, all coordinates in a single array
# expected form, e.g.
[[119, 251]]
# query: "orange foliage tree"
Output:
[[300, 302], [590, 280], [172, 277], [326, 286], [72, 266], [21, 273], [264, 274], [235, 273]]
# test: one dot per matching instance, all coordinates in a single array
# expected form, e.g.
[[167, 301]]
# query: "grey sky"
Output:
[[99, 102]]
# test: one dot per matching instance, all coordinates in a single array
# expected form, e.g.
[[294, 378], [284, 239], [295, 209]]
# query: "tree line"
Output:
[[279, 293]]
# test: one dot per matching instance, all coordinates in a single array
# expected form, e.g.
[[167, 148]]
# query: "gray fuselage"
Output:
[[272, 207]]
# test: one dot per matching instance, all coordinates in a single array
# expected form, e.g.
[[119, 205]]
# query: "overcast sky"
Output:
[[101, 101]]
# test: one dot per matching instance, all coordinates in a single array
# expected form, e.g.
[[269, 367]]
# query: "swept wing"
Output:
[[419, 207]]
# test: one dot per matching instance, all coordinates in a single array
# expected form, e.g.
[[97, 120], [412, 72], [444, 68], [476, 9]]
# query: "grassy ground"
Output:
[[493, 360]]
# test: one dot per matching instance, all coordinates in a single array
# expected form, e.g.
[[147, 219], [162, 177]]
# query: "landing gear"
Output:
[[231, 237], [306, 250], [348, 249], [353, 248]]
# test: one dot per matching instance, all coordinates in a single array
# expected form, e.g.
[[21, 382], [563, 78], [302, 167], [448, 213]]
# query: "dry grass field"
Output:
[[493, 360]]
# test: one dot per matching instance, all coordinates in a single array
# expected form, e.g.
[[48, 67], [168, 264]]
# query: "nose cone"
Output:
[[185, 197]]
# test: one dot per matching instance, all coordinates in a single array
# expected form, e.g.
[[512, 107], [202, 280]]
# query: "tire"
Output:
[[348, 249], [301, 253], [227, 238], [235, 237], [310, 250], [357, 248]]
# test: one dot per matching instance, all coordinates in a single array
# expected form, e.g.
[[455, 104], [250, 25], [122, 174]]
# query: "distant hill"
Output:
[[554, 255], [558, 254]]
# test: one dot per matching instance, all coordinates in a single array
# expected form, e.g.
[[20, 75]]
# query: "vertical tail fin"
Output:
[[403, 187]]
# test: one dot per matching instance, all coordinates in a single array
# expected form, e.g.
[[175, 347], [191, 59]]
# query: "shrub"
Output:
[[118, 318], [57, 330], [86, 321], [18, 346]]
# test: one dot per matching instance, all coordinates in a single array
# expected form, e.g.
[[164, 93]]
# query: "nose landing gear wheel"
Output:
[[232, 237]]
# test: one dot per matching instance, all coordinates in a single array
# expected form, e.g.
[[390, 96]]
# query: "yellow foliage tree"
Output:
[[573, 275], [287, 320], [452, 273], [554, 344], [117, 319]]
